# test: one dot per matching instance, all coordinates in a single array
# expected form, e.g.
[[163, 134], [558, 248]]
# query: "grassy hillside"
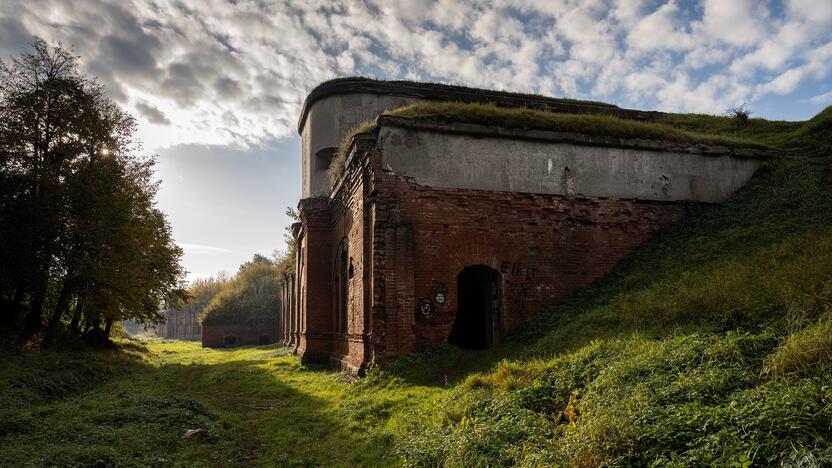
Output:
[[711, 345]]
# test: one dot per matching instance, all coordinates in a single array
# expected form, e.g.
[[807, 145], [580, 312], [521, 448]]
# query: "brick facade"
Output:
[[406, 245], [230, 335]]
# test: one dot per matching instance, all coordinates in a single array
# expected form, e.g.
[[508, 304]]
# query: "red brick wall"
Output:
[[405, 240], [213, 336], [545, 247], [347, 219]]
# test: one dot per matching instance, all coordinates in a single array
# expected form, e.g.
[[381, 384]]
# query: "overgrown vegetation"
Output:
[[132, 406], [336, 167], [591, 125], [82, 244], [669, 128], [252, 297], [709, 346]]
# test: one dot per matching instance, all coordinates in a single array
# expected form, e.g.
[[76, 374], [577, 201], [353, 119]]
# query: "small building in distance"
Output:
[[180, 325], [457, 220], [244, 311], [219, 335]]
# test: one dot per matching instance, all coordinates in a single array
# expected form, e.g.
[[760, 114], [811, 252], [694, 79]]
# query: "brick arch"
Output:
[[479, 250]]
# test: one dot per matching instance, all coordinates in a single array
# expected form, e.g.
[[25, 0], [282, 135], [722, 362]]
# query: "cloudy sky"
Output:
[[217, 85]]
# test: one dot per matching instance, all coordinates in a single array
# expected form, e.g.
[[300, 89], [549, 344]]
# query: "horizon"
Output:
[[217, 96]]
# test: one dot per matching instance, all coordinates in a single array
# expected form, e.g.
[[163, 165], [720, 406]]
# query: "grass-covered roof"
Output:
[[670, 128]]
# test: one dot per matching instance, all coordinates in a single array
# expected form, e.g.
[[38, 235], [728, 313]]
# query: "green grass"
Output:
[[591, 125], [258, 404], [708, 346]]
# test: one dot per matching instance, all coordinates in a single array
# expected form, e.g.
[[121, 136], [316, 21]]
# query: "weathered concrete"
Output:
[[329, 120], [336, 107], [463, 160]]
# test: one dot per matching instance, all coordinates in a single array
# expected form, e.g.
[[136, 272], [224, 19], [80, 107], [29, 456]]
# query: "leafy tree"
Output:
[[202, 291], [287, 259], [252, 297], [81, 238]]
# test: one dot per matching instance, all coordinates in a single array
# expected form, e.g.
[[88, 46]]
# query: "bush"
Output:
[[740, 113]]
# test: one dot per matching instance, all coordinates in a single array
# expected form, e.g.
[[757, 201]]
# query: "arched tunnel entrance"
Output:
[[477, 324]]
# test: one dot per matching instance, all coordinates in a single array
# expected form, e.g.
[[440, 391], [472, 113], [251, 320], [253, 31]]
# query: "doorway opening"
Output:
[[477, 324]]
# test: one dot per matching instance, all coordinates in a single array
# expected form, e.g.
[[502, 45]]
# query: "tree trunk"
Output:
[[10, 315], [32, 323], [55, 320], [74, 324], [107, 327]]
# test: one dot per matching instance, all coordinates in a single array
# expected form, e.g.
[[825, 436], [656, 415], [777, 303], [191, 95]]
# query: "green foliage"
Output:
[[592, 125], [805, 353], [81, 240], [336, 167], [202, 291], [259, 406], [286, 260], [252, 297], [739, 113]]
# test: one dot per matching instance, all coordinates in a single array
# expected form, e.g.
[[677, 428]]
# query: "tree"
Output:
[[81, 237], [252, 297]]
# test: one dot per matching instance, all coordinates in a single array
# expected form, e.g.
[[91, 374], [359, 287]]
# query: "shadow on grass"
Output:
[[259, 411]]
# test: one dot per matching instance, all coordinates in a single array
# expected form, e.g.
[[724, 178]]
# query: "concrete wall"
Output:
[[464, 161], [328, 121]]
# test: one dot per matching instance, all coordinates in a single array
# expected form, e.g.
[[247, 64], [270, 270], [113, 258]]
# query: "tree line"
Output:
[[82, 245], [249, 297]]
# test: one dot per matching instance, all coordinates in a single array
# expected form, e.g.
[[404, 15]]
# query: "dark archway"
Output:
[[477, 324]]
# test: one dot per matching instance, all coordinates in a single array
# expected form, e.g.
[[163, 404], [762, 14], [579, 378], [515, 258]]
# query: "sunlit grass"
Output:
[[709, 346]]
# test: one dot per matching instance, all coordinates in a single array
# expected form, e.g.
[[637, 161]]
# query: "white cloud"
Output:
[[825, 98], [735, 22], [784, 83], [237, 72], [203, 249], [661, 30]]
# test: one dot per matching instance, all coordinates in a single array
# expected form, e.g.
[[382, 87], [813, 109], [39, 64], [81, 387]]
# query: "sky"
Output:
[[217, 85]]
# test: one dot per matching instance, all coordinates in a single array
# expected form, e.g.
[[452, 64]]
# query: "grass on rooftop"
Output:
[[674, 128], [586, 124]]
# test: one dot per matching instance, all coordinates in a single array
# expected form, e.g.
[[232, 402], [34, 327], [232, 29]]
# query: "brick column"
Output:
[[315, 281]]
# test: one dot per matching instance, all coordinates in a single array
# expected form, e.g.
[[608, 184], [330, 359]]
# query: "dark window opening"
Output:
[[477, 323], [230, 340], [342, 276], [324, 157]]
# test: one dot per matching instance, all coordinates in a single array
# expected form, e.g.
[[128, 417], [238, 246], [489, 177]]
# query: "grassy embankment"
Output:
[[710, 345]]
